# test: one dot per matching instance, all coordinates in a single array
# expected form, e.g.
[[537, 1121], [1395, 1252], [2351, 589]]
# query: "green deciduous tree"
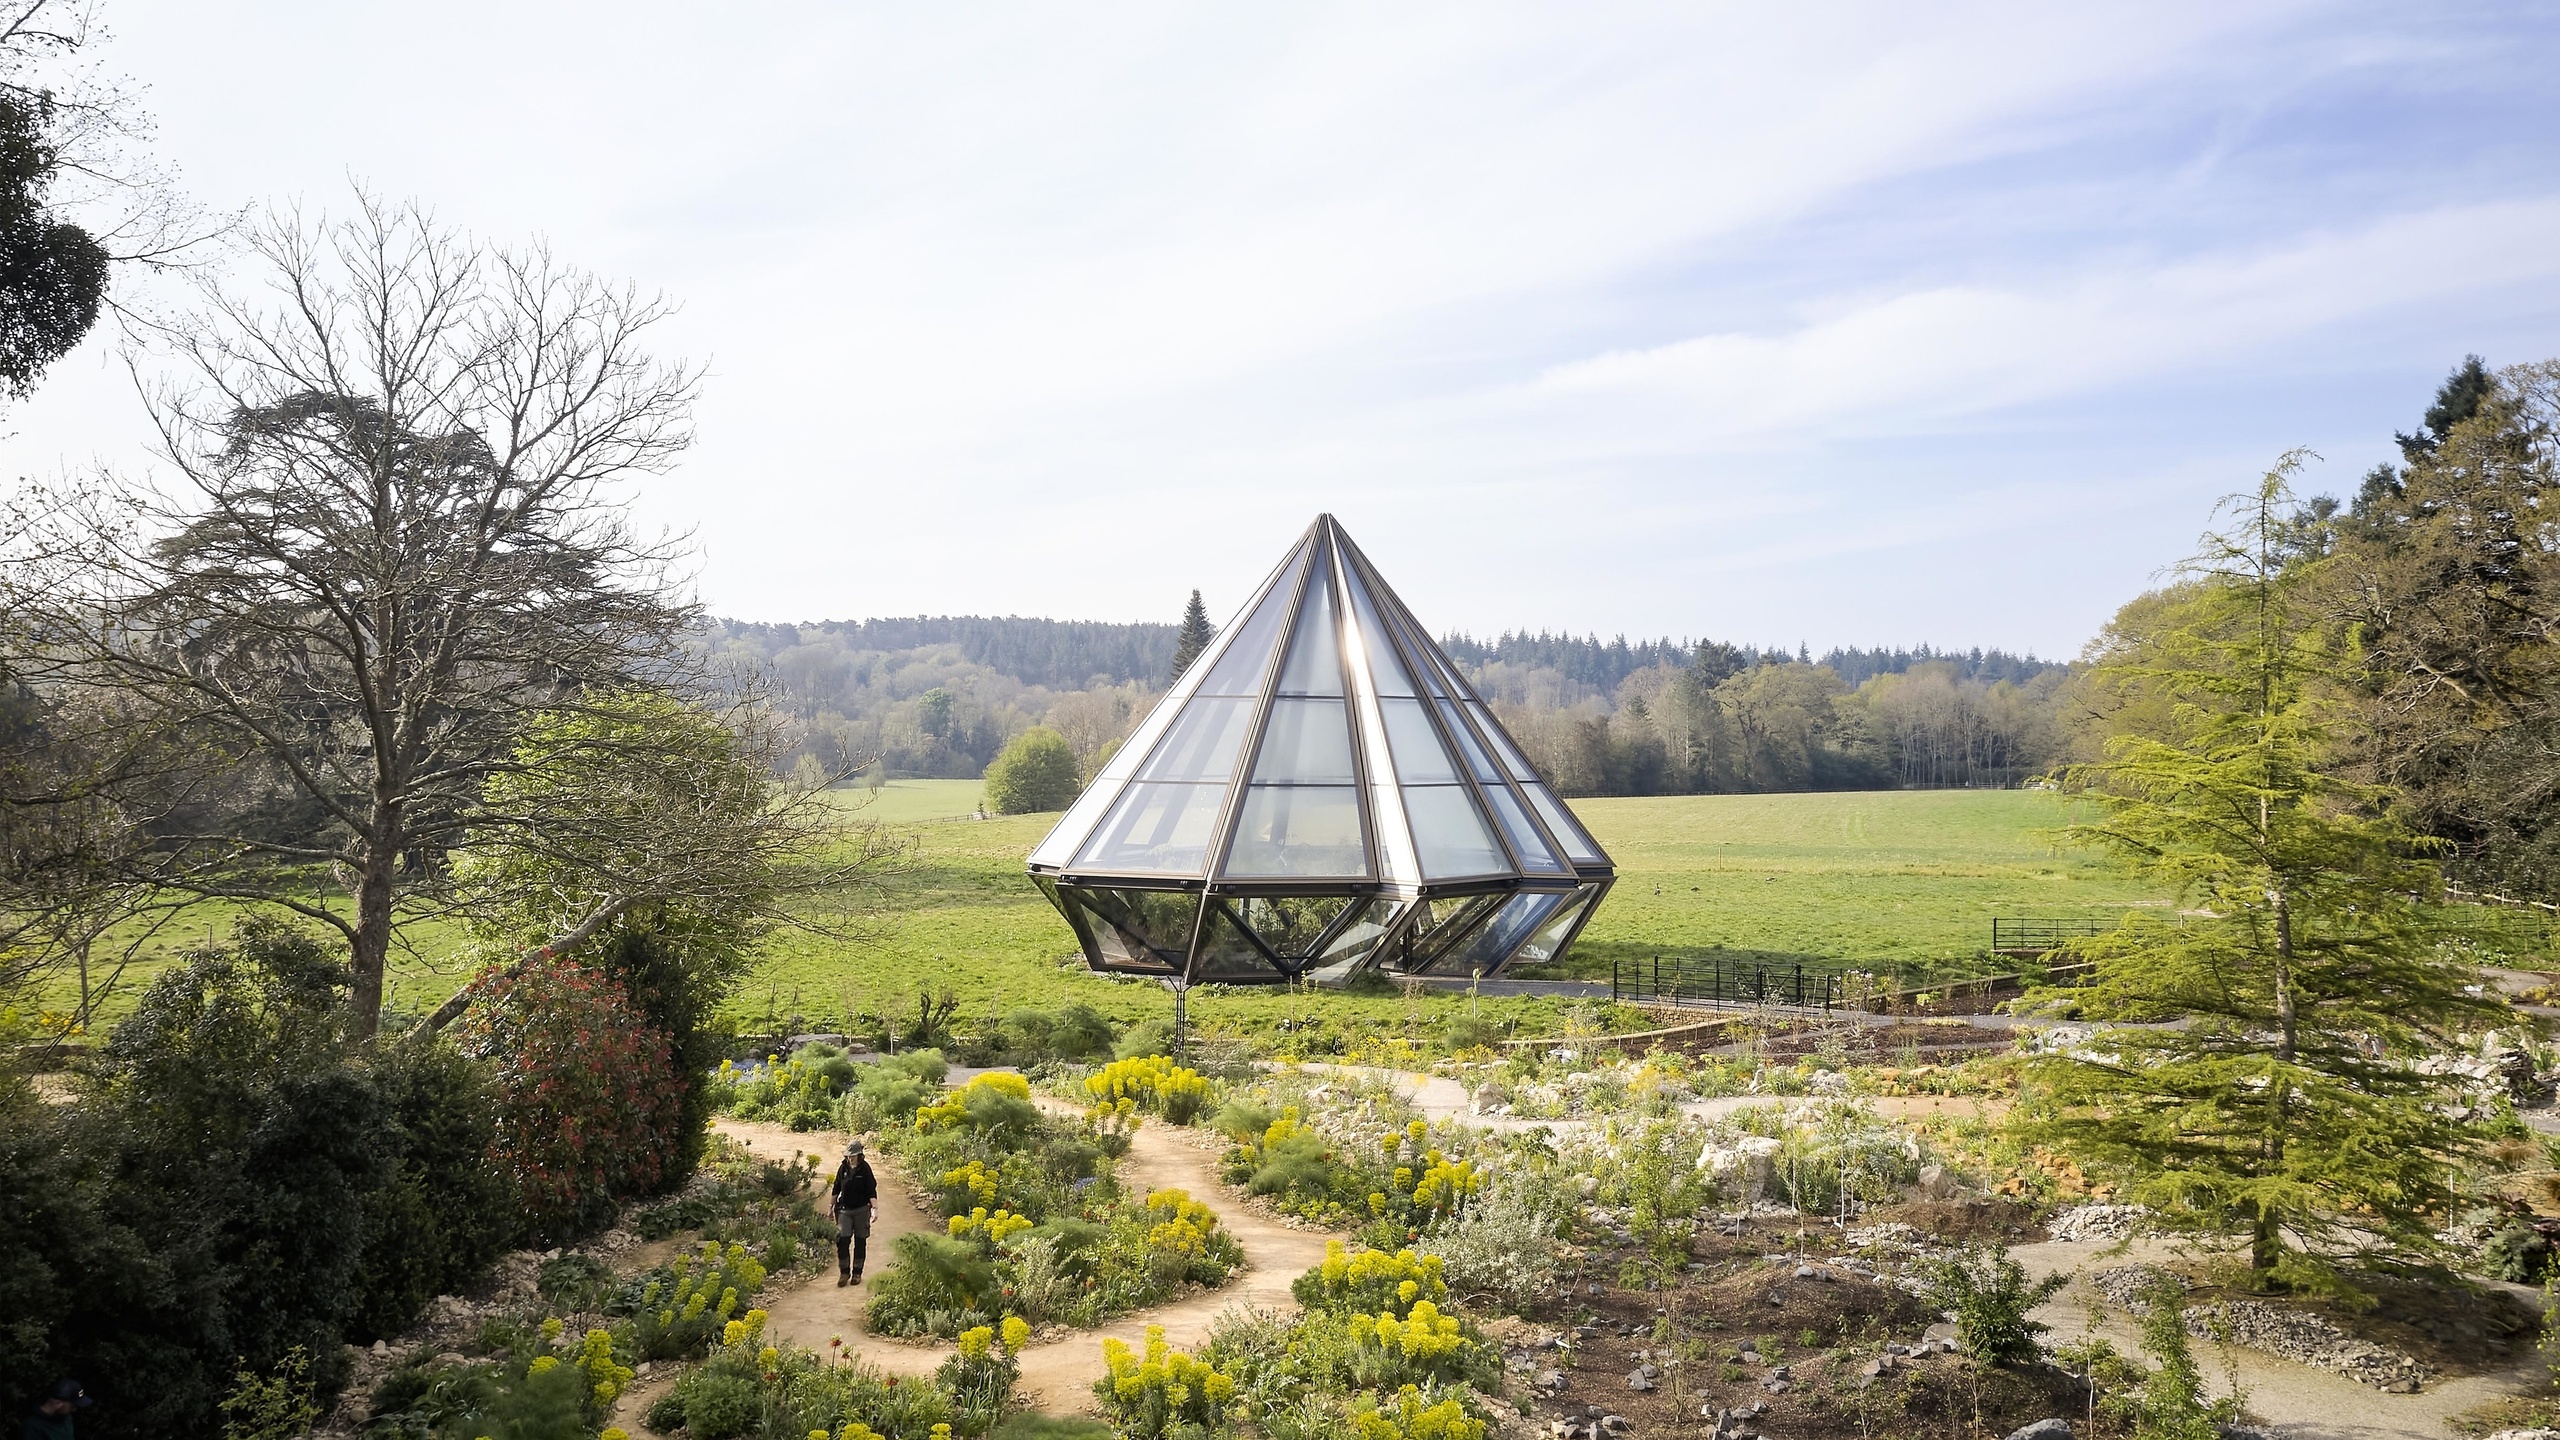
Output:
[[1036, 772], [2267, 1081]]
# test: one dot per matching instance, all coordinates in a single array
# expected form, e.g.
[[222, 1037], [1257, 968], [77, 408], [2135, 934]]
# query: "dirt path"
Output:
[[1057, 1376], [2293, 1401]]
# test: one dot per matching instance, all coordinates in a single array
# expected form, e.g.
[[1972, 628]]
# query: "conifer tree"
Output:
[[2265, 1079], [1196, 634]]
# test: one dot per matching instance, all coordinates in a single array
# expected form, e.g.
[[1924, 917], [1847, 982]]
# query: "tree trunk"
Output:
[[377, 880], [2265, 1246]]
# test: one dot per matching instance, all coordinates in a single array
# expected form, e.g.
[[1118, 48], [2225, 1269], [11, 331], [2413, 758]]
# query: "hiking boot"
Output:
[[843, 1280]]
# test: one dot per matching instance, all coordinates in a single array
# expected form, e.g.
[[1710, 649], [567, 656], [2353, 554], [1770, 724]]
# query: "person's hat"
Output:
[[70, 1390], [853, 1147]]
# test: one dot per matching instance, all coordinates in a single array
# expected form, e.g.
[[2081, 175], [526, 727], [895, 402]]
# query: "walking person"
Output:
[[853, 1203], [52, 1417]]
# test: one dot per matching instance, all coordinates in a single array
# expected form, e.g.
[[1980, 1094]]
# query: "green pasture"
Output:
[[1908, 877]]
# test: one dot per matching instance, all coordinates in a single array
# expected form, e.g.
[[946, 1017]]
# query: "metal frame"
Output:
[[1459, 722]]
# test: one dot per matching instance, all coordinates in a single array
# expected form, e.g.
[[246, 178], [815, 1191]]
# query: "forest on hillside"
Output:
[[939, 696]]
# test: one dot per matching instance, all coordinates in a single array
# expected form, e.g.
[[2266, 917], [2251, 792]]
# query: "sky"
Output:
[[1847, 324]]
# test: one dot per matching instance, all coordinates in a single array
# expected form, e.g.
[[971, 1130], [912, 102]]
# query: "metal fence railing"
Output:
[[1724, 983], [2032, 936]]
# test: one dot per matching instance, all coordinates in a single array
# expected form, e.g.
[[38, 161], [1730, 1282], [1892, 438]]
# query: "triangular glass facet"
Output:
[[1315, 653]]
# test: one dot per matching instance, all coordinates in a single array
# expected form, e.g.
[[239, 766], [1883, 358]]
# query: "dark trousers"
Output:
[[853, 1239]]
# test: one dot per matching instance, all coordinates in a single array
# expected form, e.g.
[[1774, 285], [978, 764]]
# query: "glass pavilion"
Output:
[[1321, 790]]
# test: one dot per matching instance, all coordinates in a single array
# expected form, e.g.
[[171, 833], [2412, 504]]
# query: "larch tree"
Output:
[[2264, 1073]]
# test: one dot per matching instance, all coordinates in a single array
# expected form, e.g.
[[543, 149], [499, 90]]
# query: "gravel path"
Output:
[[2294, 1401]]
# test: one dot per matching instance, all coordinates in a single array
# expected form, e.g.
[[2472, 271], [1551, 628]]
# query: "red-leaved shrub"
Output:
[[585, 1089]]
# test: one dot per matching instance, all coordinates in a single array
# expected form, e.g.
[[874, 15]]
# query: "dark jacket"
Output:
[[855, 1188]]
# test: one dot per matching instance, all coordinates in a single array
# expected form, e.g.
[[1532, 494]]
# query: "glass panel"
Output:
[[1157, 829], [1439, 925], [1290, 924], [1359, 938], [1240, 667], [1315, 654], [1489, 947], [1385, 671], [1449, 836], [1070, 831], [1477, 760], [1549, 940], [1306, 742], [1146, 930], [1395, 847], [1564, 827], [1420, 757], [1298, 830], [1226, 953], [1500, 739], [1525, 841], [1203, 742]]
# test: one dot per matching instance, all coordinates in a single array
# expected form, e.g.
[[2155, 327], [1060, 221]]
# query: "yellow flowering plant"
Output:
[[710, 1285], [1408, 1415], [1370, 1282], [1154, 1084], [1149, 1392]]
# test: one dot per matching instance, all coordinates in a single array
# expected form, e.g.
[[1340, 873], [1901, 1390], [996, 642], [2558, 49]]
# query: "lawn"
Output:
[[1912, 877]]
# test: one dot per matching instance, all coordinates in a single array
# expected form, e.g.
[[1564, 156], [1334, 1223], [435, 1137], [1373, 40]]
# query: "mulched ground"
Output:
[[1821, 1335]]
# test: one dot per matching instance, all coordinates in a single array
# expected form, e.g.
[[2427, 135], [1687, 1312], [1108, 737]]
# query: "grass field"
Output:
[[1908, 877]]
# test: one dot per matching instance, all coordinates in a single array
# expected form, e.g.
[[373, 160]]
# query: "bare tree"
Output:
[[397, 533]]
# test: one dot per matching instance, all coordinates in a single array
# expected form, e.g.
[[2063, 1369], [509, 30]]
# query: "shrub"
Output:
[[718, 1406], [889, 1091], [1503, 1246], [585, 1087], [274, 1406], [441, 1213], [980, 1373], [932, 1278], [1409, 1416], [997, 1102], [707, 1290], [2170, 1404], [2518, 1253], [1147, 1037], [1371, 1282], [1423, 1345], [1990, 1296], [1036, 771], [1154, 1084], [573, 1281], [202, 1210], [1150, 1394]]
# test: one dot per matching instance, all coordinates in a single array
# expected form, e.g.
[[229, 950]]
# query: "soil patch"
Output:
[[1799, 1348], [1964, 1222]]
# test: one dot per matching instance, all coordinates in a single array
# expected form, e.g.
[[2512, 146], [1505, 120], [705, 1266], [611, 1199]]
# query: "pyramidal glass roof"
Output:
[[1323, 743]]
